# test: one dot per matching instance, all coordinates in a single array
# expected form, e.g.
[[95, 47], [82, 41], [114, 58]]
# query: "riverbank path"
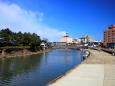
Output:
[[97, 70]]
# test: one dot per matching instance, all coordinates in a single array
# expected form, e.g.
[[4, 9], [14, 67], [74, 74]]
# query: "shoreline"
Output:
[[97, 62], [26, 54], [54, 80]]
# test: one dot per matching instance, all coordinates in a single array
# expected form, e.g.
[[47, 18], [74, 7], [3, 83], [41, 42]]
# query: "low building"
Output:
[[84, 40], [88, 38], [77, 41], [66, 39], [44, 45]]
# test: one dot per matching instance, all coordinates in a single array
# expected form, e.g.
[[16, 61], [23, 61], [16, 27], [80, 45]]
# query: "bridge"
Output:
[[70, 47]]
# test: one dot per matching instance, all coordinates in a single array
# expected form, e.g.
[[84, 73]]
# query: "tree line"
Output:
[[9, 38]]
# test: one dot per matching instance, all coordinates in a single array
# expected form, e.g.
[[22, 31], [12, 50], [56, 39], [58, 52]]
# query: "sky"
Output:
[[51, 19]]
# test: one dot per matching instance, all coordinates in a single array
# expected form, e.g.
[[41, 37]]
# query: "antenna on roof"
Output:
[[66, 34]]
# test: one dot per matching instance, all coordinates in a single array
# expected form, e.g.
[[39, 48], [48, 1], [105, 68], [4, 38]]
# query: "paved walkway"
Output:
[[97, 70]]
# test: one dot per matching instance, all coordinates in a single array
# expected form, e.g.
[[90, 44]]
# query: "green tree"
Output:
[[35, 42], [14, 38], [19, 39], [6, 35], [35, 39], [27, 39]]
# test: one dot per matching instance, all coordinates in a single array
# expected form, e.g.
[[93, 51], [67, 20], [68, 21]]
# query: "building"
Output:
[[84, 40], [66, 39], [44, 45], [88, 38], [77, 41], [109, 35]]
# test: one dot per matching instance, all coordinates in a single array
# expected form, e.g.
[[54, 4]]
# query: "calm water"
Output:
[[37, 70]]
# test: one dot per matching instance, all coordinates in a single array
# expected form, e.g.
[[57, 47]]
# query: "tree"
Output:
[[35, 42], [5, 36], [19, 39], [45, 40]]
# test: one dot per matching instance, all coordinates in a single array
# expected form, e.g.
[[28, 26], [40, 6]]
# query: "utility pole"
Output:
[[87, 39]]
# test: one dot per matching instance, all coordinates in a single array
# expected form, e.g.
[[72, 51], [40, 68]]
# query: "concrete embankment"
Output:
[[97, 70]]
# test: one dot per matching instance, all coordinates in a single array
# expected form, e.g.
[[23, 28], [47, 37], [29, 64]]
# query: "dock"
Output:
[[96, 70]]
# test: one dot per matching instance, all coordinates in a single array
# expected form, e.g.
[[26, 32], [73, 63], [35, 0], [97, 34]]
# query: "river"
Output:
[[37, 70]]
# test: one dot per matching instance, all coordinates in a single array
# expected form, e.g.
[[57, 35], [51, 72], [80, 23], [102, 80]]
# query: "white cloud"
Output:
[[18, 19]]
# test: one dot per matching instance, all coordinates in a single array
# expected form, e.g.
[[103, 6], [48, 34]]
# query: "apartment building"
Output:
[[109, 35]]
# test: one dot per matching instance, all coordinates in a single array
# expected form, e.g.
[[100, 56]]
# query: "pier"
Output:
[[97, 70]]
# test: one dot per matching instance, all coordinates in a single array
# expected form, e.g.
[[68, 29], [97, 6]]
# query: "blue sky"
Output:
[[53, 18]]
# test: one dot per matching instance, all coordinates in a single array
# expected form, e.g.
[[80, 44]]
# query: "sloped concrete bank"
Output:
[[96, 70], [53, 81]]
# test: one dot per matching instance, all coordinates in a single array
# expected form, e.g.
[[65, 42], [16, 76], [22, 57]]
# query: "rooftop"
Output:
[[111, 26]]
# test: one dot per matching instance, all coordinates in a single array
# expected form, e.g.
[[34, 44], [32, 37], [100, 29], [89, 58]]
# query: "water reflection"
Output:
[[12, 67], [37, 70]]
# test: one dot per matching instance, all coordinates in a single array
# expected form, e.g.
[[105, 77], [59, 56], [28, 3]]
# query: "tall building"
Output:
[[66, 39], [109, 35]]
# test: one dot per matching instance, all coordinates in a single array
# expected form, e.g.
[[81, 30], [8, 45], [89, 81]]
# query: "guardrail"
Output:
[[108, 50]]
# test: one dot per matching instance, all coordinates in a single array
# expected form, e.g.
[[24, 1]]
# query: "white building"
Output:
[[88, 38], [77, 40], [44, 45], [83, 40], [66, 39]]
